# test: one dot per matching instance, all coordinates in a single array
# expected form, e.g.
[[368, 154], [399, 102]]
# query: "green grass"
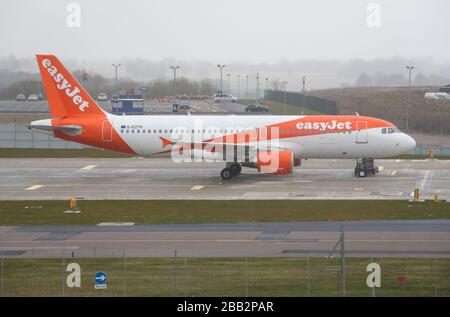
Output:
[[215, 211], [278, 107], [60, 153], [225, 277]]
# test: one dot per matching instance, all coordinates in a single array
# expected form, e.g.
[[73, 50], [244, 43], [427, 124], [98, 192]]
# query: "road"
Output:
[[420, 238]]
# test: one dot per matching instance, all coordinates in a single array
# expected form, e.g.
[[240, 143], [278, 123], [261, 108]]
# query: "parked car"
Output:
[[256, 108], [21, 97], [33, 97], [436, 95], [224, 97], [102, 97], [184, 106], [40, 97]]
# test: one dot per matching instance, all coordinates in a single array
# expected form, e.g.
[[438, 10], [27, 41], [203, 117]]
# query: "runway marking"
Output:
[[34, 187], [197, 187], [358, 189], [89, 167], [393, 173], [424, 180], [116, 224]]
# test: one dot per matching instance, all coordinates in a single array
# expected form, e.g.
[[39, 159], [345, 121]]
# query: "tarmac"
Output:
[[421, 238], [142, 178]]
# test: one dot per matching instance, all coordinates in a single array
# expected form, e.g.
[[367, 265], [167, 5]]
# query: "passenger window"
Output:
[[383, 131]]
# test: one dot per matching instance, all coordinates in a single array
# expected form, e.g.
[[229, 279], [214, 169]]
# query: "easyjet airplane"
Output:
[[272, 144]]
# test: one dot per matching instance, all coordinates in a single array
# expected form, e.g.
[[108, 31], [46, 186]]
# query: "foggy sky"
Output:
[[252, 31]]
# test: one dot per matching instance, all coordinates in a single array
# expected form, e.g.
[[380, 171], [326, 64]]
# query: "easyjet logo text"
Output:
[[333, 125], [63, 84]]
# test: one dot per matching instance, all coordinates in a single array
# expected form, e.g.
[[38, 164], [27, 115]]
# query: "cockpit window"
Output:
[[390, 130], [383, 131]]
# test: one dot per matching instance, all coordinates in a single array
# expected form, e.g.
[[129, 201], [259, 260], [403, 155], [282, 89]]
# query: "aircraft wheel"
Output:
[[226, 173], [362, 173]]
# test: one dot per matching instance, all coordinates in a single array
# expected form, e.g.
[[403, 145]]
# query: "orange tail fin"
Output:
[[66, 97]]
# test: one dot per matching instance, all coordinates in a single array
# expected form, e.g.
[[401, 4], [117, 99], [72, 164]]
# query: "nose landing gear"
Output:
[[231, 170], [365, 167]]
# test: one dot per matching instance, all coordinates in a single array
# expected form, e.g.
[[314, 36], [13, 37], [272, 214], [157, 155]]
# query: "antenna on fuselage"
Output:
[[356, 113]]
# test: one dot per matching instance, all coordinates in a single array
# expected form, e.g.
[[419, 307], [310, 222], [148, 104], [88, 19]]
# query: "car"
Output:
[[436, 95], [39, 95], [256, 108], [224, 97], [33, 97], [102, 97], [21, 97], [184, 106]]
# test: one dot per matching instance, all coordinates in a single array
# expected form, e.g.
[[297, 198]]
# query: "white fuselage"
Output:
[[143, 134]]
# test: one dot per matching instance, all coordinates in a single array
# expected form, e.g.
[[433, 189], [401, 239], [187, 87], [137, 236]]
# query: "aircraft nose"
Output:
[[410, 143]]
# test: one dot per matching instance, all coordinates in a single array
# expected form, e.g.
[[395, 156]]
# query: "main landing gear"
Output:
[[231, 170], [365, 167]]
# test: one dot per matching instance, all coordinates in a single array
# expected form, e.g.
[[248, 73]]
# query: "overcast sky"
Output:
[[224, 31]]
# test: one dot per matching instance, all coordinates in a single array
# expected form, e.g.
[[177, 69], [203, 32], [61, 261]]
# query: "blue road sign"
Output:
[[100, 278]]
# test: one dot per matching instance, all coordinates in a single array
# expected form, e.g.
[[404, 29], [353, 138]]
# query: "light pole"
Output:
[[267, 83], [115, 87], [174, 80], [285, 85], [247, 85], [410, 68], [239, 77], [303, 92], [229, 88], [257, 87], [221, 70]]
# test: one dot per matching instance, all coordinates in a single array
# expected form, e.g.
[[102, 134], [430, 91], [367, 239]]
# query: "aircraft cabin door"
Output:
[[361, 132], [107, 131]]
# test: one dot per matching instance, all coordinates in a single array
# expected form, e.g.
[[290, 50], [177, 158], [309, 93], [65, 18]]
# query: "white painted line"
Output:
[[34, 187], [89, 167], [358, 188], [116, 224], [197, 187], [393, 173]]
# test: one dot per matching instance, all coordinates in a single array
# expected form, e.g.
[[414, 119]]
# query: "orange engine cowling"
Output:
[[275, 162]]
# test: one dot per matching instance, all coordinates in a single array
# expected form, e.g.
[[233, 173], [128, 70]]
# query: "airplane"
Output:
[[272, 144]]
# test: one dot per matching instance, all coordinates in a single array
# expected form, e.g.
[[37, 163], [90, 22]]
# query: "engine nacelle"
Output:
[[275, 162]]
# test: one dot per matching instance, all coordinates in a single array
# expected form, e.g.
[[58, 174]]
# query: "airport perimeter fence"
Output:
[[297, 99], [18, 136], [80, 274]]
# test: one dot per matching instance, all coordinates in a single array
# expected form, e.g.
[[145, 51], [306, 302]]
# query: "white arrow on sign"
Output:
[[101, 278]]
